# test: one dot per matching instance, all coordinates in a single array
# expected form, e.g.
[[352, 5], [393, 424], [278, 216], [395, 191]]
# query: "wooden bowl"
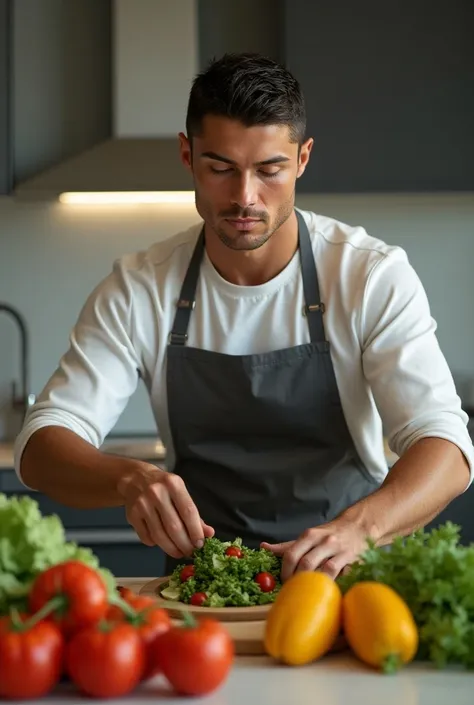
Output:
[[223, 614]]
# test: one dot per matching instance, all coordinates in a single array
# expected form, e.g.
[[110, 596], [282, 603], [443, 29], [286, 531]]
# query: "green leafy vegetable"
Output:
[[226, 580], [434, 574], [30, 543]]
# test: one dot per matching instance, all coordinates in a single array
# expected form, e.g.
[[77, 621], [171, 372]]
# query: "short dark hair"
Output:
[[248, 87]]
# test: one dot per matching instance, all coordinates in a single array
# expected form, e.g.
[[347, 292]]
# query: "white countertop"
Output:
[[334, 680], [147, 448]]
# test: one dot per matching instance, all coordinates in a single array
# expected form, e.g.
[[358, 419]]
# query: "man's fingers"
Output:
[[173, 526], [335, 565], [159, 534], [318, 557], [150, 531], [308, 552], [188, 513], [277, 548], [143, 533], [208, 530]]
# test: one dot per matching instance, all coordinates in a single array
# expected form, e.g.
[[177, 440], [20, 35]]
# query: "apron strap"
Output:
[[313, 308], [186, 301]]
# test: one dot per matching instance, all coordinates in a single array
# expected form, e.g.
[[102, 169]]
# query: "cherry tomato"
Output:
[[186, 573], [80, 591], [234, 551], [266, 581], [31, 658], [149, 620], [198, 599], [125, 593], [195, 658], [106, 660]]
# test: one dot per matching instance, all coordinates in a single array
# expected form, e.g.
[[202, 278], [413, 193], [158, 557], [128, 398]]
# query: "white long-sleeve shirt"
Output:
[[392, 376]]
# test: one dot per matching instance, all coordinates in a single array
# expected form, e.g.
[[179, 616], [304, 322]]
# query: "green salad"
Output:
[[225, 574]]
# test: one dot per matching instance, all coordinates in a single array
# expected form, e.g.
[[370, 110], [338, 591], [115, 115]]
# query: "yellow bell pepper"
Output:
[[305, 620]]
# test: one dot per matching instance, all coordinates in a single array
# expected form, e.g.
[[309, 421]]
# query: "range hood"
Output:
[[155, 58]]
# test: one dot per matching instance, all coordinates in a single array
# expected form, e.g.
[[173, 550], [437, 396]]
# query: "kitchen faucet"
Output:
[[24, 399]]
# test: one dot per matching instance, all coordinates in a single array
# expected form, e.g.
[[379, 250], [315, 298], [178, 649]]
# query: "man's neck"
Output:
[[255, 267]]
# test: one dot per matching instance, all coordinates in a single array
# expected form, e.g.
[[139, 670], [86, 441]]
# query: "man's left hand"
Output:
[[329, 548]]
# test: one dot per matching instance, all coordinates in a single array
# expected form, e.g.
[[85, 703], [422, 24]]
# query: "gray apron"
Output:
[[261, 440]]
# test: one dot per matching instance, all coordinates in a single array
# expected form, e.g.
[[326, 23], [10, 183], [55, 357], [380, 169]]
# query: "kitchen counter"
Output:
[[337, 679], [143, 448]]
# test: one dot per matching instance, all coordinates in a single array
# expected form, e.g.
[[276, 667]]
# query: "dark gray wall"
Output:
[[239, 25], [5, 105], [62, 80]]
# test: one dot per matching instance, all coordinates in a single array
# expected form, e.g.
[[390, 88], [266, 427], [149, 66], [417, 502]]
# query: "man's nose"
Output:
[[245, 194]]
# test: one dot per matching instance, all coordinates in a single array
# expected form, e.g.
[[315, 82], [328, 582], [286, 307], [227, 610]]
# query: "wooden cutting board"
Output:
[[248, 637], [246, 625]]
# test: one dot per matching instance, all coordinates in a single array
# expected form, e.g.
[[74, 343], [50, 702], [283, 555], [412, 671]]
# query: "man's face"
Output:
[[244, 178]]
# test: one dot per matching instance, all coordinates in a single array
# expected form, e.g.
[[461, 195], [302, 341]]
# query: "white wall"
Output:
[[51, 256]]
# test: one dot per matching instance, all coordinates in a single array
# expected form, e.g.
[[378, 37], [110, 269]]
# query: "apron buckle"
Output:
[[177, 338], [313, 307], [184, 303]]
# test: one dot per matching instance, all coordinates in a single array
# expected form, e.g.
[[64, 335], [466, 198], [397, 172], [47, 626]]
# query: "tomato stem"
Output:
[[56, 603], [15, 620], [126, 608], [189, 620]]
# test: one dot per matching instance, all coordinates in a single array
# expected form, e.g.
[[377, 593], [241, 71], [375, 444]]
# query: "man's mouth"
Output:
[[243, 223]]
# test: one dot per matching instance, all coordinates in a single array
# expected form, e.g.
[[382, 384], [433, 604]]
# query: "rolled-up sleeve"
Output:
[[97, 375], [410, 379]]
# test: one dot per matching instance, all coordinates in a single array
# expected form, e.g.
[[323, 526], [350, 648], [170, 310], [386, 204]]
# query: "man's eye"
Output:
[[220, 171], [269, 174]]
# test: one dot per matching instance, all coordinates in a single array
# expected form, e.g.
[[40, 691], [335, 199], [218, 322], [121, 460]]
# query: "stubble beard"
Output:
[[249, 241]]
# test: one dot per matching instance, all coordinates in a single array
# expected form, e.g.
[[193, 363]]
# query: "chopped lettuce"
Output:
[[30, 543], [226, 580]]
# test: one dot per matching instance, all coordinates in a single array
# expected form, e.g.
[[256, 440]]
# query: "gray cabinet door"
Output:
[[389, 90], [6, 142]]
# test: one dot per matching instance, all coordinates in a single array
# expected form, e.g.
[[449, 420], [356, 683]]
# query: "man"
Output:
[[276, 345]]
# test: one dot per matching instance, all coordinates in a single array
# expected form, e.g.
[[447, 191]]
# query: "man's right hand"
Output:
[[161, 511]]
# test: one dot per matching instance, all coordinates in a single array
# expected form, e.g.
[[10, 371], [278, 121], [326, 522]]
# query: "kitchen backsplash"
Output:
[[52, 256]]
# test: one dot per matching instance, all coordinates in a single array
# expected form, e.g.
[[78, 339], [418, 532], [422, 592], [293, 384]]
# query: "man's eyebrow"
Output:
[[220, 158]]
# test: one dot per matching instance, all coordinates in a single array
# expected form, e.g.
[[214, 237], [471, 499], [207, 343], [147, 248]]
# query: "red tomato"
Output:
[[31, 659], [80, 592], [195, 658], [198, 599], [106, 660], [125, 593], [150, 621], [186, 573], [234, 551], [266, 581]]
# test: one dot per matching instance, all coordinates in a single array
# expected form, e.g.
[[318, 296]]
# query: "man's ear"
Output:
[[185, 151], [305, 151]]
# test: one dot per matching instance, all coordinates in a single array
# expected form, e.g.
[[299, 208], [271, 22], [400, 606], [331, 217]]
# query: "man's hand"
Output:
[[329, 548], [161, 511]]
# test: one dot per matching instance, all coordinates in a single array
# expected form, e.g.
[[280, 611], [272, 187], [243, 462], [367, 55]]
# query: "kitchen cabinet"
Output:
[[55, 83], [6, 168], [389, 93]]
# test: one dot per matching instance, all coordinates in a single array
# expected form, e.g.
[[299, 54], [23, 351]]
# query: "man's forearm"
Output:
[[418, 487], [63, 466]]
